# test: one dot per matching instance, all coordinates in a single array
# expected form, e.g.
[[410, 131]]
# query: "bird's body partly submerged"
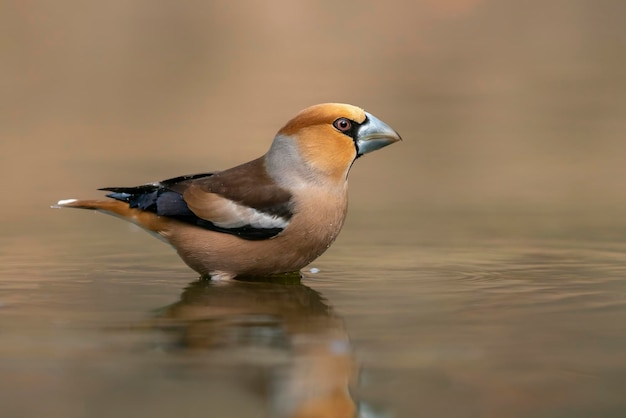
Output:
[[271, 215]]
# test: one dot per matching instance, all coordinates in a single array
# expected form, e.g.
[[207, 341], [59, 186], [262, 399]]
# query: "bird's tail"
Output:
[[101, 205], [147, 220]]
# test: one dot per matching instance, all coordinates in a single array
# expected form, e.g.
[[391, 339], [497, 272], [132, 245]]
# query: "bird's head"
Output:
[[329, 137]]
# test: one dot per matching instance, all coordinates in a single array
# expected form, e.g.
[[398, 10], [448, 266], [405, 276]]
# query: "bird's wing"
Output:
[[242, 201]]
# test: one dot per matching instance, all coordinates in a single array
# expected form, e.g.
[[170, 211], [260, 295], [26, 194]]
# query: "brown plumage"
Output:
[[271, 215]]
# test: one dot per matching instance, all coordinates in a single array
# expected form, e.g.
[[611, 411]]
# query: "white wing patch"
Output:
[[226, 213], [233, 215]]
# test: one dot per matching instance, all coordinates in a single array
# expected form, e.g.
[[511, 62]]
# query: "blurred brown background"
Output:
[[501, 103], [506, 107]]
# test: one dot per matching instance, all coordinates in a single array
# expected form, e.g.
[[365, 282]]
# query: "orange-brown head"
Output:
[[328, 137]]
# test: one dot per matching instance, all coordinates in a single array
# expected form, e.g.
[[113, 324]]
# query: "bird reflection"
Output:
[[291, 321]]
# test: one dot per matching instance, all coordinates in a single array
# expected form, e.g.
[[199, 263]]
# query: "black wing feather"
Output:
[[159, 199]]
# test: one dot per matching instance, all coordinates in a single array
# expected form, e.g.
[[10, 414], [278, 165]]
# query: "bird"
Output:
[[272, 215]]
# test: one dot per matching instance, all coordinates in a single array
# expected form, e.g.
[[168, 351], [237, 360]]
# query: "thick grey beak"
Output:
[[374, 134]]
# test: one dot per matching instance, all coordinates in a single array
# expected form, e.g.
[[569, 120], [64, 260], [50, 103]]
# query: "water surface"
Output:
[[465, 315]]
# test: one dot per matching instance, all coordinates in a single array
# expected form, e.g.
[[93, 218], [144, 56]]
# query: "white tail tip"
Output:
[[63, 202]]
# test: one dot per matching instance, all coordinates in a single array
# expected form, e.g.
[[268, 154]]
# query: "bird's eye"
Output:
[[342, 124]]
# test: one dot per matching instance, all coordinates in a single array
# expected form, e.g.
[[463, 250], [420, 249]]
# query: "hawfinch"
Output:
[[271, 215]]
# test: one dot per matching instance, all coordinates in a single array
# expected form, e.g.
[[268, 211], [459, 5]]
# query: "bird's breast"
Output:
[[318, 218]]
